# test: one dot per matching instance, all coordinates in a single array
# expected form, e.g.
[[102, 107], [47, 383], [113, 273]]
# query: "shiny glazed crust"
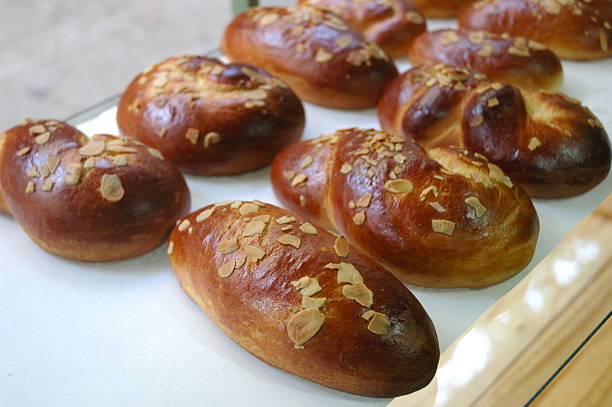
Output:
[[322, 58], [392, 24], [100, 200], [515, 61], [254, 302], [446, 218], [574, 29], [441, 8], [547, 142], [211, 118]]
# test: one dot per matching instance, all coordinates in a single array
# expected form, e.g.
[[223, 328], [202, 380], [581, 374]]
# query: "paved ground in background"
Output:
[[60, 56]]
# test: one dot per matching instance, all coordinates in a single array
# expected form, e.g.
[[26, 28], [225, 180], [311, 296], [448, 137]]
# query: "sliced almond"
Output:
[[205, 214], [227, 269], [308, 229], [309, 302], [364, 201], [53, 163], [285, 219], [73, 175], [323, 56], [37, 129], [379, 324], [341, 246], [184, 225], [368, 314], [307, 286], [30, 188], [254, 228], [306, 163], [23, 151], [343, 41], [111, 188], [47, 186], [399, 186], [299, 179], [358, 292], [228, 246], [477, 205], [347, 273], [192, 135], [346, 168], [290, 240], [211, 138], [93, 148], [304, 325], [170, 247], [534, 143], [254, 253], [248, 208], [445, 227], [497, 174], [155, 153], [359, 218], [42, 138]]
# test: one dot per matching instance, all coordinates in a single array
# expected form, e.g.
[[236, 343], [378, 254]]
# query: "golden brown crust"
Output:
[[447, 219], [211, 118], [548, 143], [515, 61], [392, 24], [109, 199], [256, 302], [573, 29], [441, 8], [322, 58]]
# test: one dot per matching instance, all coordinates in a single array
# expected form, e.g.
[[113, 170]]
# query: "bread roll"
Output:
[[515, 61], [325, 60], [441, 8], [547, 142], [303, 300], [392, 24], [210, 118], [444, 218], [102, 199], [573, 29]]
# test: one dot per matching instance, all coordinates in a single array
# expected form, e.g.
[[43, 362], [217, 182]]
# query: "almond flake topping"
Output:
[[248, 208], [254, 228], [323, 56], [268, 19], [306, 163], [227, 269], [341, 246], [364, 201], [368, 314], [192, 135], [73, 175], [308, 229], [307, 286], [379, 324], [302, 201], [298, 179], [497, 174], [358, 292], [261, 218], [399, 186], [37, 129], [111, 188], [309, 302], [228, 246], [445, 227], [437, 206], [254, 253], [120, 161], [33, 173], [155, 153], [290, 240], [93, 148], [205, 214], [347, 273], [346, 168], [47, 186], [399, 158], [184, 225], [285, 219], [23, 151], [304, 325], [359, 218], [30, 188], [493, 102], [534, 143], [343, 41], [170, 247], [477, 205], [477, 120]]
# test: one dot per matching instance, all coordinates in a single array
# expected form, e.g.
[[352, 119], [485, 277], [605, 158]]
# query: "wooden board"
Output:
[[515, 347]]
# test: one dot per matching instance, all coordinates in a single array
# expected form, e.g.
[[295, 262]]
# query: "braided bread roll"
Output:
[[548, 143], [573, 29], [443, 218], [515, 61], [441, 8], [304, 301], [211, 118], [102, 199], [392, 24], [324, 60]]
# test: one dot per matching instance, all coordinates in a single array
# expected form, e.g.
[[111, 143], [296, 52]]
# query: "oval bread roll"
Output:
[[322, 58], [303, 300]]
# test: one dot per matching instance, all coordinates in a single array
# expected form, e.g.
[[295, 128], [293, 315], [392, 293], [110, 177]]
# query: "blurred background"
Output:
[[61, 56]]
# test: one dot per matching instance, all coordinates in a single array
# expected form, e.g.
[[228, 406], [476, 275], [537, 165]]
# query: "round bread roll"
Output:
[[573, 29], [102, 199], [392, 24], [325, 60], [210, 118], [515, 61], [547, 142], [291, 294], [441, 8], [444, 218]]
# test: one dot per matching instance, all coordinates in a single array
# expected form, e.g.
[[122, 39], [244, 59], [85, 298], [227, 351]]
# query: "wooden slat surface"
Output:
[[514, 347]]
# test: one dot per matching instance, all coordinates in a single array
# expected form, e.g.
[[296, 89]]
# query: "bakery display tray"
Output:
[[124, 333]]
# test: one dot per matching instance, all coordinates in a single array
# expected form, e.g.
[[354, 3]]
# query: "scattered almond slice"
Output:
[[227, 269], [368, 314], [254, 228], [341, 246], [379, 324], [346, 168], [205, 214], [254, 253], [111, 188], [309, 302], [290, 240], [170, 247], [285, 219], [248, 208], [445, 227], [477, 205], [347, 273], [94, 147], [304, 325], [184, 225], [306, 163], [358, 292], [399, 186], [359, 218], [332, 266], [364, 201], [228, 246], [308, 229]]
